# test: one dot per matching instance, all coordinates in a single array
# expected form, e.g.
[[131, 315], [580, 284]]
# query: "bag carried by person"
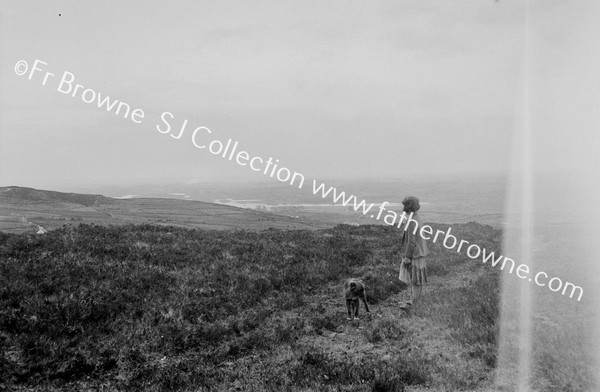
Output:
[[404, 274]]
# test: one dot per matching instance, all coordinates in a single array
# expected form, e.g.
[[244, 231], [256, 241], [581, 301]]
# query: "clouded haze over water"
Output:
[[341, 89]]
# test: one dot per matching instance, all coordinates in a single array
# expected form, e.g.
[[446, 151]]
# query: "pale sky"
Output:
[[333, 89]]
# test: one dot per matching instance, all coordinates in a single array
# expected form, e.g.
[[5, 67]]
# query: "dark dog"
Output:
[[354, 291]]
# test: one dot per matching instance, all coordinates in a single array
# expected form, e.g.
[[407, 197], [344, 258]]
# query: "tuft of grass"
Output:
[[318, 366], [328, 321], [388, 384], [382, 329]]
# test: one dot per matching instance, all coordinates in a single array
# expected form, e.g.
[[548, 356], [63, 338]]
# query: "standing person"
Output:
[[415, 250]]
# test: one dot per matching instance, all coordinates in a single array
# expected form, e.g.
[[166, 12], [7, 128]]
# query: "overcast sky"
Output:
[[333, 89]]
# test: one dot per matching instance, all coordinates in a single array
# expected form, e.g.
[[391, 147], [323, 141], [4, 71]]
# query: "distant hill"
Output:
[[23, 195], [24, 209]]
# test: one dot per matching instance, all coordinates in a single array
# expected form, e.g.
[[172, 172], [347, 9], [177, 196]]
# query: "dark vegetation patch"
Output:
[[163, 308]]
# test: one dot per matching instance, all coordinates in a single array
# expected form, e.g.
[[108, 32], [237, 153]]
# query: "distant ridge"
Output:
[[25, 209], [18, 194]]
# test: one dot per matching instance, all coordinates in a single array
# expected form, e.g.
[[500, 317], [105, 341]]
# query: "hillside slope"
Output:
[[154, 309], [24, 209]]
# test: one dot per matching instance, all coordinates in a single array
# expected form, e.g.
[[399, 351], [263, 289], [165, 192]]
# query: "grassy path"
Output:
[[390, 332], [424, 351]]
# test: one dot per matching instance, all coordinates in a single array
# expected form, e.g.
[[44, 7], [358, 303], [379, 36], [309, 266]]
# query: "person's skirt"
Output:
[[419, 271]]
